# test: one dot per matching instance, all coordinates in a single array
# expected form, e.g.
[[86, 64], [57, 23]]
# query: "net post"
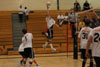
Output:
[[67, 39]]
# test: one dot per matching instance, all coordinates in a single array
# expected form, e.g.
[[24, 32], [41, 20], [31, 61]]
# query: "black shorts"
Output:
[[50, 34], [83, 52], [22, 54], [29, 53]]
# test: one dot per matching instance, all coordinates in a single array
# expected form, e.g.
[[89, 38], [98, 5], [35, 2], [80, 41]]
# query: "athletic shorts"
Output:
[[50, 34], [29, 53], [22, 54], [83, 52]]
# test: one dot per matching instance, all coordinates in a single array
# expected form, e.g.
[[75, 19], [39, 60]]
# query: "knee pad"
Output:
[[25, 60], [31, 60]]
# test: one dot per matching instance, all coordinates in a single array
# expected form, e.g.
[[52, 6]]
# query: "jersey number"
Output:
[[96, 39], [85, 36]]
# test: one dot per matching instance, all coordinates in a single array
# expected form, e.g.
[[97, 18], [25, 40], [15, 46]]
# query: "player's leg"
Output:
[[44, 45], [50, 39], [91, 58], [22, 60], [97, 60], [32, 56], [83, 57], [32, 60], [48, 36], [26, 54]]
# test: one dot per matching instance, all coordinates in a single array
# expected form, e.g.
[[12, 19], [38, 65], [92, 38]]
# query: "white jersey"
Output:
[[20, 11], [95, 33], [50, 22], [60, 17], [83, 35], [29, 38], [22, 45], [26, 12], [66, 18]]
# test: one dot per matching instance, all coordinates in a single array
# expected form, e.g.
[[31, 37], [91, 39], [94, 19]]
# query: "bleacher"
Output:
[[6, 41], [35, 25]]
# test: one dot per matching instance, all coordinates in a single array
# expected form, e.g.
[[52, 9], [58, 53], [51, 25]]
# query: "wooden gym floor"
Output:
[[45, 60]]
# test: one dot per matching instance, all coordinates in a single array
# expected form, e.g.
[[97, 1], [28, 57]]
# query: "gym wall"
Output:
[[9, 5]]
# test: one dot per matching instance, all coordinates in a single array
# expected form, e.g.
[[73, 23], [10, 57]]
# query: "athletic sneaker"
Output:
[[30, 65], [21, 64], [37, 65], [44, 47], [43, 33], [53, 49]]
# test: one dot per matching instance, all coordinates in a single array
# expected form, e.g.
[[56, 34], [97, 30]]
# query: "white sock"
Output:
[[51, 46], [24, 65]]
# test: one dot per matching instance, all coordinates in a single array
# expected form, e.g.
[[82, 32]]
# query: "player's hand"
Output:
[[87, 54]]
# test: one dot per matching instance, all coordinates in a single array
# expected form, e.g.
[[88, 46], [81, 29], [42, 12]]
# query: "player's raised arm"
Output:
[[48, 6], [89, 17], [97, 17], [58, 26]]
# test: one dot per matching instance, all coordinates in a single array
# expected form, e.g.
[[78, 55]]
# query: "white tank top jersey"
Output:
[[60, 17], [83, 35], [20, 11], [50, 22], [29, 38], [22, 45], [26, 12], [95, 33]]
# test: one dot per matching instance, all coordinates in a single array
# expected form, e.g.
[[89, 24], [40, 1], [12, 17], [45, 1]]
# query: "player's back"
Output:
[[50, 21], [83, 35], [95, 33], [29, 38]]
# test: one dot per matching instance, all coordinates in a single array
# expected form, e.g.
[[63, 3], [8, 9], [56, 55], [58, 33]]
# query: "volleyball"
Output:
[[48, 3]]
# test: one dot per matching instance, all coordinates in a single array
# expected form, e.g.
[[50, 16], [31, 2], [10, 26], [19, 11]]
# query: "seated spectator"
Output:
[[60, 18], [65, 18], [86, 6], [77, 6]]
